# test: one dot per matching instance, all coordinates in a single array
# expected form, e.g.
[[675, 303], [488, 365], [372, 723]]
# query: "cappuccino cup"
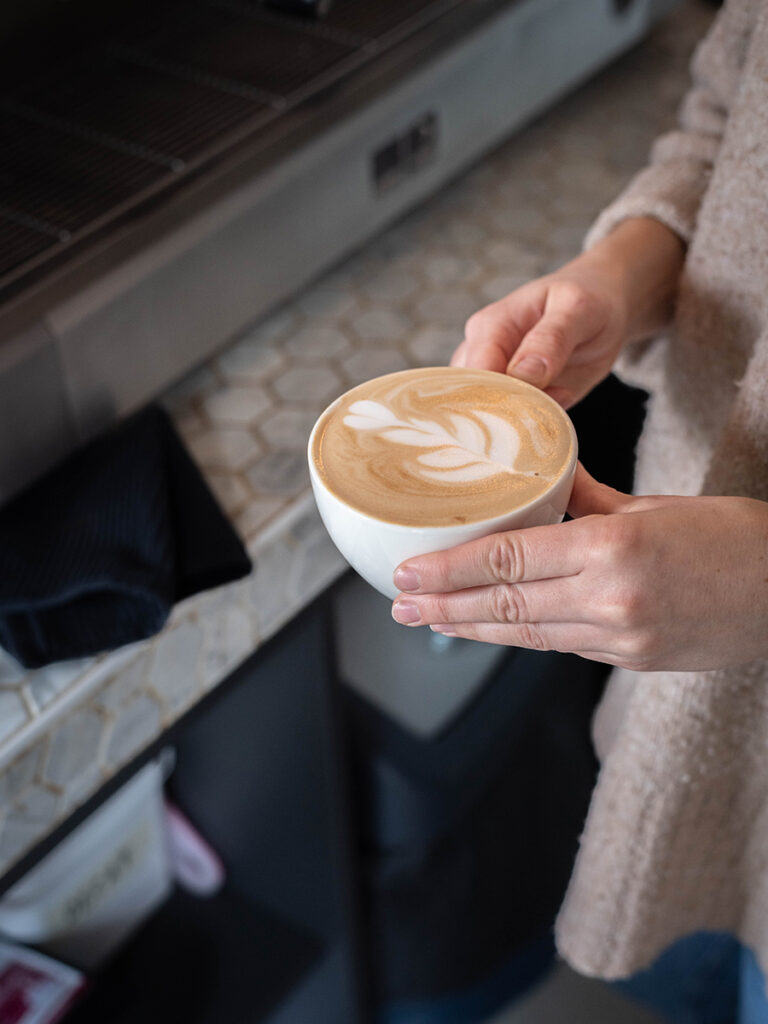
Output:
[[423, 460]]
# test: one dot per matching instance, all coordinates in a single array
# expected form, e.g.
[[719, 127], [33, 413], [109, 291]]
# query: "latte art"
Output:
[[442, 446], [478, 445]]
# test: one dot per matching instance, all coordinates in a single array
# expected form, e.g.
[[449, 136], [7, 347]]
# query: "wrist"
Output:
[[640, 262]]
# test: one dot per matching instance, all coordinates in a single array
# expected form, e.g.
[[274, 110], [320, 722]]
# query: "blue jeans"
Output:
[[706, 978]]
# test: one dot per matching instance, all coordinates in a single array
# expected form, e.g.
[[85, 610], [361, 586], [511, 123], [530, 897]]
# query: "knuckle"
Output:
[[438, 610], [508, 605], [479, 323], [624, 606], [637, 650], [618, 538], [553, 337], [532, 637], [505, 559], [574, 297]]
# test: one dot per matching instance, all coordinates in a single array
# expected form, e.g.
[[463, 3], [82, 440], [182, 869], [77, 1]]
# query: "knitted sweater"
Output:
[[676, 838]]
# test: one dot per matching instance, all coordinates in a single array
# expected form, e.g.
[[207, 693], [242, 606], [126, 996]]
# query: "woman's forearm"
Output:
[[644, 257]]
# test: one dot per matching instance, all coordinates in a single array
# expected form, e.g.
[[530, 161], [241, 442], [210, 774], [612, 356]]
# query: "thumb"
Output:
[[592, 498], [566, 322], [543, 353]]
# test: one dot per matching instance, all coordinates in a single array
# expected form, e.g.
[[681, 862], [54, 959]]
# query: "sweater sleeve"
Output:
[[671, 187]]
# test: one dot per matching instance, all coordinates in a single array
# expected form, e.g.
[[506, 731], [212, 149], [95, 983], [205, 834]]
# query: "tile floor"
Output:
[[568, 998]]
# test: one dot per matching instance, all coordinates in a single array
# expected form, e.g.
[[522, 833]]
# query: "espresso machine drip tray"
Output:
[[100, 113]]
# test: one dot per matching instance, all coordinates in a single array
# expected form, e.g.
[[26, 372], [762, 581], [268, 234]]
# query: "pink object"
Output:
[[196, 865]]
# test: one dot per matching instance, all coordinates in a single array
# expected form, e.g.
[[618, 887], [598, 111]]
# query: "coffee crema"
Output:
[[441, 446]]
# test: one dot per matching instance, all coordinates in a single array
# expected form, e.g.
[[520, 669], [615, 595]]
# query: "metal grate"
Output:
[[49, 175], [168, 120], [273, 58], [374, 21], [101, 119], [19, 243]]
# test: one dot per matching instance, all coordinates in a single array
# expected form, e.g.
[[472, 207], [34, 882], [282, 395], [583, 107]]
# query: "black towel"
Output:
[[95, 553]]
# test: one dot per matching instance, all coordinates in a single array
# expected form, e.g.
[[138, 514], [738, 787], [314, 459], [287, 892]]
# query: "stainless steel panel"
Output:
[[136, 330], [36, 425]]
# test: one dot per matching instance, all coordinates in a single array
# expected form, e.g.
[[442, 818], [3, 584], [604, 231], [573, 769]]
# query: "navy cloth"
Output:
[[95, 554], [703, 978]]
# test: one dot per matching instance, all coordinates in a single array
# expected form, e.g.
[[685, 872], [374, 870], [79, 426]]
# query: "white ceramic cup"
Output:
[[375, 548]]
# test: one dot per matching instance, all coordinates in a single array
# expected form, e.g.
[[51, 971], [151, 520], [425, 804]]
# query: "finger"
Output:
[[489, 351], [589, 497], [567, 638], [459, 357], [536, 553], [493, 334], [558, 600], [563, 396], [575, 383], [567, 322]]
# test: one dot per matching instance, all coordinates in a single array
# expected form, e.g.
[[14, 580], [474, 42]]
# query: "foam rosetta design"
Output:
[[479, 445]]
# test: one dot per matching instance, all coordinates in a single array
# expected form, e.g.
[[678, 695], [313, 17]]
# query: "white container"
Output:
[[86, 896], [374, 548]]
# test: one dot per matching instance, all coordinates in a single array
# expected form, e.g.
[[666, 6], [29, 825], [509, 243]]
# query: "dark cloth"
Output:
[[94, 554]]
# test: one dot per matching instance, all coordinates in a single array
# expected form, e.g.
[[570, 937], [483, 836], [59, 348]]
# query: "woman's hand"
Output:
[[646, 583], [563, 332]]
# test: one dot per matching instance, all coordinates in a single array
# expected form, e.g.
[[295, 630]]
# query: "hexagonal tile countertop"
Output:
[[401, 301]]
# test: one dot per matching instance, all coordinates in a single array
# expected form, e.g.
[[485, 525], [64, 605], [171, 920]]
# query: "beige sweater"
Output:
[[677, 835]]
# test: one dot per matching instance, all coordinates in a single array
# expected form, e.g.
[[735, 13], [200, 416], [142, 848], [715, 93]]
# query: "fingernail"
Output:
[[443, 629], [405, 612], [531, 369], [407, 579], [460, 360]]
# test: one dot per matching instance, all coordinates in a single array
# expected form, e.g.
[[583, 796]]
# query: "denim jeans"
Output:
[[706, 978]]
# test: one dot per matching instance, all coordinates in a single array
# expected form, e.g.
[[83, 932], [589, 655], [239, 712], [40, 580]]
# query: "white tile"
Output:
[[381, 324], [32, 817], [326, 303], [133, 727], [508, 255], [250, 359], [501, 285], [227, 448], [361, 366], [45, 684], [18, 775], [79, 789], [228, 638], [229, 489], [236, 405], [174, 674], [318, 341], [124, 684], [189, 423], [434, 345], [319, 565], [194, 386], [280, 473], [445, 268], [74, 746], [257, 513], [290, 426], [270, 586], [464, 232], [390, 285], [452, 308], [274, 327], [13, 713], [308, 384], [11, 672]]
